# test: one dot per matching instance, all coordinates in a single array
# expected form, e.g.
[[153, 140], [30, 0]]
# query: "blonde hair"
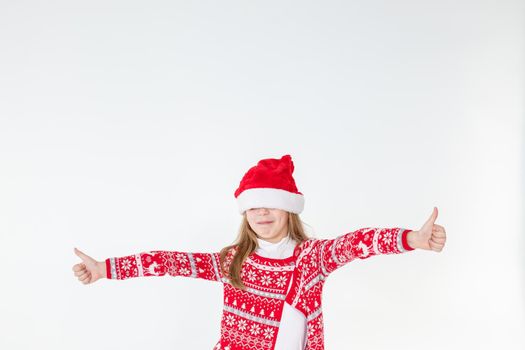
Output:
[[246, 243]]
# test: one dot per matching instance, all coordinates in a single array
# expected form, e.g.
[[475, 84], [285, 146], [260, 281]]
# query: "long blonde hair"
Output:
[[246, 243]]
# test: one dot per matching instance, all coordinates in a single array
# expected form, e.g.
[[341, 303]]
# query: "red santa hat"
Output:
[[270, 184]]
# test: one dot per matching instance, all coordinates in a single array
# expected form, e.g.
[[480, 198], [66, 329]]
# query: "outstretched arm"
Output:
[[362, 243], [367, 242], [160, 263]]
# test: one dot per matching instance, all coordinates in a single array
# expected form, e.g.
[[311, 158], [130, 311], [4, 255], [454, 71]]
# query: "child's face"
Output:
[[275, 230]]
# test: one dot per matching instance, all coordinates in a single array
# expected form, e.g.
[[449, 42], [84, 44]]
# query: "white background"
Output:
[[126, 126]]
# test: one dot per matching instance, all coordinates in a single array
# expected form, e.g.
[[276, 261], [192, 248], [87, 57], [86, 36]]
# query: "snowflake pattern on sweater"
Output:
[[250, 319]]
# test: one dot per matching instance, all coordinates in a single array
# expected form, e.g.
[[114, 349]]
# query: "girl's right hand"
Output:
[[89, 270]]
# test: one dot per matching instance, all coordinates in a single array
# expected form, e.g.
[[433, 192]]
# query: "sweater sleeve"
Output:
[[362, 243], [160, 263]]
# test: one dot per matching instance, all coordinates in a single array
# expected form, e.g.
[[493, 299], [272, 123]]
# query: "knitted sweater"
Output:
[[250, 318]]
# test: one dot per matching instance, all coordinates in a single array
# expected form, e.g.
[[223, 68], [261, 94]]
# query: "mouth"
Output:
[[264, 222]]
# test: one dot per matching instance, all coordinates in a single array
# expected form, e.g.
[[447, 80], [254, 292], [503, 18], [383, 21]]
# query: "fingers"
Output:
[[437, 247], [437, 240], [79, 267], [84, 276], [438, 235], [438, 231], [82, 273]]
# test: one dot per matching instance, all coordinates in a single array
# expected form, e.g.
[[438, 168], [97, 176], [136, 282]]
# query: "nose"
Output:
[[261, 210]]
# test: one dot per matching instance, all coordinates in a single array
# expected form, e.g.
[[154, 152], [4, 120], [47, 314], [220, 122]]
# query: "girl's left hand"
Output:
[[430, 237]]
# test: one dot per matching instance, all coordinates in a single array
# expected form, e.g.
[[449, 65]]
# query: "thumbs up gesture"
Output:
[[430, 237], [89, 270]]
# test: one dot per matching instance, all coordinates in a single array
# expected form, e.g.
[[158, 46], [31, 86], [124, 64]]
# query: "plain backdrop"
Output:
[[126, 126]]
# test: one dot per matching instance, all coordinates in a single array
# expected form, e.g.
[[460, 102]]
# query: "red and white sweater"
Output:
[[250, 319]]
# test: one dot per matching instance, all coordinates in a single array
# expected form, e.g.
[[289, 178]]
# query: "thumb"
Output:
[[433, 216], [82, 256]]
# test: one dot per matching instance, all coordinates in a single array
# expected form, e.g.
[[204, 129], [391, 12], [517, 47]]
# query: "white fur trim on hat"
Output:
[[270, 198]]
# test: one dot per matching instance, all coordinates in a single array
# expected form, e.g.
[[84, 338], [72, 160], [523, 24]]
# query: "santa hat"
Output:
[[270, 184]]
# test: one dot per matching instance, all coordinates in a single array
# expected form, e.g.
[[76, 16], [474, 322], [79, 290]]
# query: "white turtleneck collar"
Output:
[[278, 250]]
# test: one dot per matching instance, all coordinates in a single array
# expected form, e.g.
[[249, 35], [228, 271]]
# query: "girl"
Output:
[[273, 275]]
